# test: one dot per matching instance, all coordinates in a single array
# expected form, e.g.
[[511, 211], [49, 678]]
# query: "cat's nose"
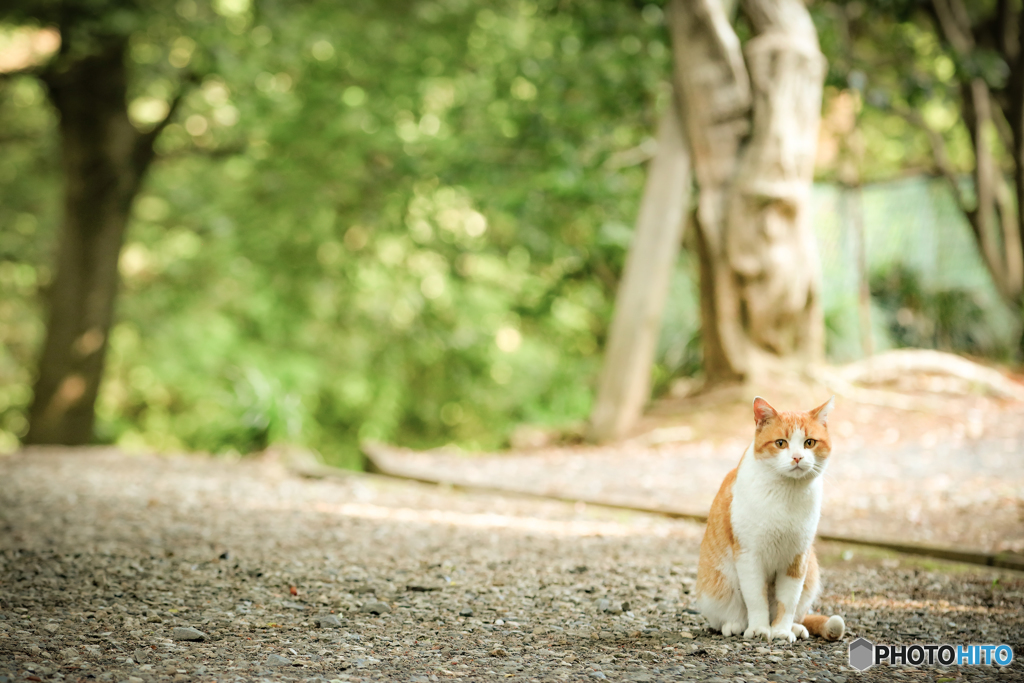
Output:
[[797, 458]]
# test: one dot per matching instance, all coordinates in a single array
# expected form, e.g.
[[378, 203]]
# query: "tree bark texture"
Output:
[[625, 382], [104, 158], [752, 124]]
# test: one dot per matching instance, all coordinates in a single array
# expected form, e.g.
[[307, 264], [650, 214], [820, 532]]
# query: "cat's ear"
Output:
[[763, 411], [821, 412]]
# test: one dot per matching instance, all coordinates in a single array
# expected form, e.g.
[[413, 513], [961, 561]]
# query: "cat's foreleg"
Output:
[[788, 587], [754, 588]]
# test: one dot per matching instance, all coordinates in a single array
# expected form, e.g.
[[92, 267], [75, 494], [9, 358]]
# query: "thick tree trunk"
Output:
[[103, 160], [715, 97], [625, 383], [753, 135]]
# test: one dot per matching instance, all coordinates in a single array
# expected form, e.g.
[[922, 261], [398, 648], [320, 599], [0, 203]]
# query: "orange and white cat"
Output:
[[758, 573]]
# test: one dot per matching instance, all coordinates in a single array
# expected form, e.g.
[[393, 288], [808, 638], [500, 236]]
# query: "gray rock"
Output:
[[375, 607], [187, 633], [277, 660], [141, 656], [328, 621], [466, 612]]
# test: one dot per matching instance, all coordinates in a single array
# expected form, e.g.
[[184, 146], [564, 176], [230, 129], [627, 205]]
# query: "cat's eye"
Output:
[[809, 443], [781, 443]]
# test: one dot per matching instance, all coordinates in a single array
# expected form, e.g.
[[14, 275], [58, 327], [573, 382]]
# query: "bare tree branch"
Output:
[[940, 155], [1007, 26], [144, 144], [955, 24], [218, 153], [33, 71]]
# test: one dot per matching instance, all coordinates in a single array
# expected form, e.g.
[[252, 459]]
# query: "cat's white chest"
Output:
[[775, 519]]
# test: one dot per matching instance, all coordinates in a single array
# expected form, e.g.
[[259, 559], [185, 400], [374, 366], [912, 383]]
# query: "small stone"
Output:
[[277, 660], [465, 612], [376, 607], [328, 621], [498, 652], [187, 633], [134, 679], [569, 658], [423, 587], [68, 653], [598, 674], [52, 627], [141, 656]]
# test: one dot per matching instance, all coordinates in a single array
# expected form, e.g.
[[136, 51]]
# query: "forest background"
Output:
[[406, 221]]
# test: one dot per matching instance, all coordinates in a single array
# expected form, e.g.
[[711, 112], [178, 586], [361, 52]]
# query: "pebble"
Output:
[[328, 621], [465, 612], [277, 660], [187, 633], [376, 607]]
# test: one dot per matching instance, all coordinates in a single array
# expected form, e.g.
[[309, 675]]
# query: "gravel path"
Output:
[[106, 559], [953, 480]]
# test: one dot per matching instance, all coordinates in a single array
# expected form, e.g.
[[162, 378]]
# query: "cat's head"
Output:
[[793, 445]]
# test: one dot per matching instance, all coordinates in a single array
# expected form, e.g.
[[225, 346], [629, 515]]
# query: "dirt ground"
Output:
[[106, 558]]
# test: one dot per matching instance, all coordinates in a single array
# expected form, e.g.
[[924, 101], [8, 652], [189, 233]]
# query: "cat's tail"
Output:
[[829, 628]]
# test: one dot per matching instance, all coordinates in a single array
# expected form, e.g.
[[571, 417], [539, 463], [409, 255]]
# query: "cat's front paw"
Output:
[[733, 628], [800, 632], [786, 633], [758, 632]]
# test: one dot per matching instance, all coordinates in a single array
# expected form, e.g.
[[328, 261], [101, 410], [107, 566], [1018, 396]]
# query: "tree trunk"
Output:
[[997, 225], [103, 161], [625, 383], [753, 135]]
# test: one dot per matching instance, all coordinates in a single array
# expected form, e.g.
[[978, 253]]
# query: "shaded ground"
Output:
[[954, 478], [103, 555]]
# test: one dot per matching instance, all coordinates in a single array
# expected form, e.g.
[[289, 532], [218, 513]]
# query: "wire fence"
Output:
[[912, 225]]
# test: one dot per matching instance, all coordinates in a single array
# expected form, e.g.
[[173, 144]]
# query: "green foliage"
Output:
[[360, 227], [28, 212], [887, 51], [949, 319], [405, 220]]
